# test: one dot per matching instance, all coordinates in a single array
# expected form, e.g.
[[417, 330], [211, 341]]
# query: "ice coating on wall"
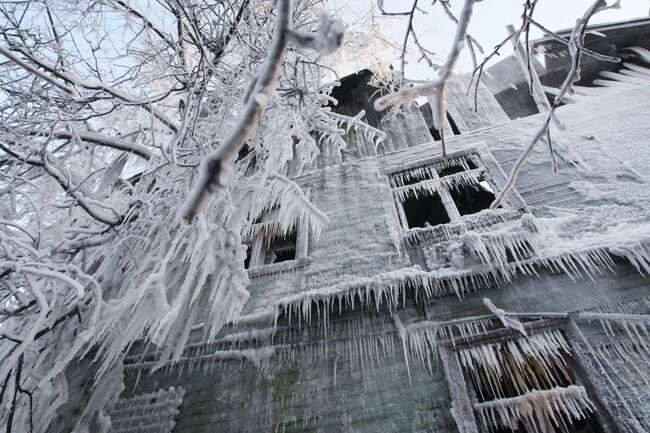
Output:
[[572, 247], [146, 413]]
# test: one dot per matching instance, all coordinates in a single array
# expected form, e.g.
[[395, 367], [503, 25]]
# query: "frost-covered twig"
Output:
[[215, 171], [436, 88], [23, 64], [575, 51], [508, 322]]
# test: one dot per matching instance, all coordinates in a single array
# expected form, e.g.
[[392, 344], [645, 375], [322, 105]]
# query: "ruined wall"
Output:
[[352, 369]]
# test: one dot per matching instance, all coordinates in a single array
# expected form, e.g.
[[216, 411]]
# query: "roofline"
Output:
[[595, 27]]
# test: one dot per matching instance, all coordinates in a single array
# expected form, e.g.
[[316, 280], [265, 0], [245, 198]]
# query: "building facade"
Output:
[[419, 309]]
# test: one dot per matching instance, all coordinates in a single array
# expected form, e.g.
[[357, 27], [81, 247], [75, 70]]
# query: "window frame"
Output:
[[254, 237], [492, 172], [582, 364]]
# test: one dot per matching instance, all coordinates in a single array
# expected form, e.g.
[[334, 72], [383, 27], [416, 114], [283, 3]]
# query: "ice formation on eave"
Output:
[[630, 76], [419, 171], [577, 259]]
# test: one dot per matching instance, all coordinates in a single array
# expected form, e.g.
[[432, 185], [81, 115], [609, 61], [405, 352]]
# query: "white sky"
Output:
[[488, 24]]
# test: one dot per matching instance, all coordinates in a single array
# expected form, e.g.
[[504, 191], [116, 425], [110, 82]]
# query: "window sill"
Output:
[[276, 268], [443, 232]]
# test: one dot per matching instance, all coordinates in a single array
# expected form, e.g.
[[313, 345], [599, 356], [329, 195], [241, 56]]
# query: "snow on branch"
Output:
[[25, 65], [508, 322], [575, 46], [215, 171], [436, 89]]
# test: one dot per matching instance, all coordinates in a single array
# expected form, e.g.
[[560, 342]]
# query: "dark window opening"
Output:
[[452, 125], [425, 210], [435, 134], [281, 249], [247, 260], [471, 199]]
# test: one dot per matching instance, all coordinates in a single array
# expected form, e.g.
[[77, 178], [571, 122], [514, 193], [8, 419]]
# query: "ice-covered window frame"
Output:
[[543, 382], [269, 248], [439, 191]]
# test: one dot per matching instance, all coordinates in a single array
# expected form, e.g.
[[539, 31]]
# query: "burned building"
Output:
[[419, 308]]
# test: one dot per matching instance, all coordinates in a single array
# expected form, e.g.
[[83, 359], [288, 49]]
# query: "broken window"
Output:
[[525, 385], [266, 244], [442, 191]]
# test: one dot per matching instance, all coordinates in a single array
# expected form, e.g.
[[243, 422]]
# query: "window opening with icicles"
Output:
[[442, 191], [266, 244], [525, 385]]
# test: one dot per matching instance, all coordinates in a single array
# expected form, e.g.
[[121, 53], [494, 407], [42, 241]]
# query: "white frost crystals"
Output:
[[144, 413], [540, 411]]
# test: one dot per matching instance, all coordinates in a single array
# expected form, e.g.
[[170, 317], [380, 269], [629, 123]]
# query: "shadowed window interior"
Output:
[[281, 249], [425, 210], [442, 191], [266, 244], [473, 198]]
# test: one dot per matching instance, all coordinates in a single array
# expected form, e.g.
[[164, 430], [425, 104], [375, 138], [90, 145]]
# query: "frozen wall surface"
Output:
[[418, 309]]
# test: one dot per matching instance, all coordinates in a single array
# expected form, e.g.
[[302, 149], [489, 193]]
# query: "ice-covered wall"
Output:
[[359, 335]]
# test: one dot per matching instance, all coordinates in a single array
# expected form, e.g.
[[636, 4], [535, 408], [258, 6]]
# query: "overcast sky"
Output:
[[488, 23]]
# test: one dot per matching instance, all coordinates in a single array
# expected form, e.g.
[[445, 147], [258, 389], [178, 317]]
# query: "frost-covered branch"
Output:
[[436, 89], [215, 171], [575, 45], [23, 64]]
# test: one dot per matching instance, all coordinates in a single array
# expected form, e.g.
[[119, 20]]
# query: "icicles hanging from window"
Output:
[[431, 186], [418, 171], [517, 366], [540, 411], [637, 252], [446, 232], [421, 339]]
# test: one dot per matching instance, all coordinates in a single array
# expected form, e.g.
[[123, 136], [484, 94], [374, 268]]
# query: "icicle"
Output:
[[431, 186], [541, 410]]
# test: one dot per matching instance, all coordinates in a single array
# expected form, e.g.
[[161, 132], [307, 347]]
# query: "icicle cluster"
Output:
[[526, 364], [416, 171], [369, 133], [432, 186], [630, 76], [421, 340], [146, 413], [362, 342], [540, 411], [637, 252], [444, 232]]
